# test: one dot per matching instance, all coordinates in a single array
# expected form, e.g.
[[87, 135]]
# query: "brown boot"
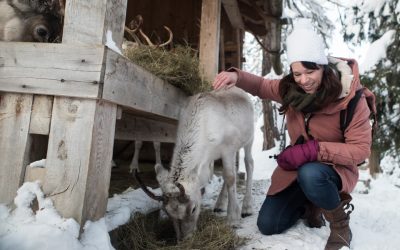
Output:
[[313, 216], [339, 224]]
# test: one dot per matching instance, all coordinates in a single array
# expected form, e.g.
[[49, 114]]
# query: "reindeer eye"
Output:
[[42, 34], [42, 31], [193, 209]]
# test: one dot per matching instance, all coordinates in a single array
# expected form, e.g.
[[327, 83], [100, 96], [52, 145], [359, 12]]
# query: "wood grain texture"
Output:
[[232, 10], [79, 157], [87, 22], [209, 38], [51, 69], [15, 113], [41, 115], [138, 128], [129, 85]]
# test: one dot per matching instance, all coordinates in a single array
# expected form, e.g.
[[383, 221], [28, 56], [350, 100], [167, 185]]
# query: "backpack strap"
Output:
[[346, 115]]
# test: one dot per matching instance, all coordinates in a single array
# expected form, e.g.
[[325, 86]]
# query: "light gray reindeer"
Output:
[[30, 20], [214, 125]]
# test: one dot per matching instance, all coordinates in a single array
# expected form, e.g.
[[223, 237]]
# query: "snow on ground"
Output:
[[375, 222]]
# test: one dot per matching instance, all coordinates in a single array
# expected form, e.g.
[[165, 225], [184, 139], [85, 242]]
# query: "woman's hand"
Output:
[[295, 156], [225, 80]]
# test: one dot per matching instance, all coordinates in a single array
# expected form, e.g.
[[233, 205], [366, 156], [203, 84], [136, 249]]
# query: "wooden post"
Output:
[[209, 38], [221, 65], [15, 113], [79, 157], [88, 22], [82, 130], [41, 115], [232, 10]]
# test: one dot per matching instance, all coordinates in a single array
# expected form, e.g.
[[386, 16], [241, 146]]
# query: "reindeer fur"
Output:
[[214, 125], [28, 21]]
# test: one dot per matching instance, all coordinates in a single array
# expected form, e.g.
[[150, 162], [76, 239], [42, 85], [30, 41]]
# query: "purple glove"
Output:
[[295, 156]]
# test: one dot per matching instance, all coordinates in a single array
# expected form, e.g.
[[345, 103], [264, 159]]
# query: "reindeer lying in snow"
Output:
[[214, 125]]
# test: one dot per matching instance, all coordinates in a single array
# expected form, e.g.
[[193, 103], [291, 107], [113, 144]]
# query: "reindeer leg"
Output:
[[222, 201], [229, 174], [157, 149], [247, 206], [135, 160]]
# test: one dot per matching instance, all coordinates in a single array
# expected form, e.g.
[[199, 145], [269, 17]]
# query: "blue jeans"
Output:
[[317, 183]]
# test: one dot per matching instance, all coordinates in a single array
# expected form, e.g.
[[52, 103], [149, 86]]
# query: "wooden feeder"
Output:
[[63, 102]]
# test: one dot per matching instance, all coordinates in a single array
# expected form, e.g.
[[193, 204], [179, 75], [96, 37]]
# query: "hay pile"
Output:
[[148, 232], [179, 66]]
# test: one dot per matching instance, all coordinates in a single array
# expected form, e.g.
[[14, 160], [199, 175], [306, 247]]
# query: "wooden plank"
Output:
[[88, 22], [51, 69], [134, 128], [35, 174], [221, 63], [209, 38], [232, 10], [129, 85], [99, 172], [15, 113], [41, 115], [119, 112], [78, 165], [115, 20], [82, 131]]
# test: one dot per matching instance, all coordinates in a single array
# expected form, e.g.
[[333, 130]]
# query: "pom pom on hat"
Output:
[[304, 44]]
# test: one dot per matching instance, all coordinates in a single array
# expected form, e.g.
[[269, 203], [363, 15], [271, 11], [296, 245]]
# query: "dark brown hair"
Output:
[[330, 84]]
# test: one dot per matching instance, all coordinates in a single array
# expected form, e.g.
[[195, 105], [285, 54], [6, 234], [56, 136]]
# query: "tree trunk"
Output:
[[271, 59], [268, 128], [374, 162], [270, 131]]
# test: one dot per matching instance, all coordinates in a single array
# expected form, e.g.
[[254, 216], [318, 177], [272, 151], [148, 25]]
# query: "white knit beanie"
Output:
[[304, 44]]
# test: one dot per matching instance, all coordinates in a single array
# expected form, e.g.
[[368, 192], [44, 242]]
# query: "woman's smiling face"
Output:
[[308, 79]]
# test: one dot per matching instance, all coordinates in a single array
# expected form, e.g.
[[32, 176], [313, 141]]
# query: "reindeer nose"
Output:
[[42, 34]]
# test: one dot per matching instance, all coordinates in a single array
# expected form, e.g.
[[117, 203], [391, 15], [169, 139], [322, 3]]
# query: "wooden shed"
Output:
[[68, 102]]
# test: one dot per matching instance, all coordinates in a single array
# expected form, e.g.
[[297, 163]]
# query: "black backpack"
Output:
[[346, 115]]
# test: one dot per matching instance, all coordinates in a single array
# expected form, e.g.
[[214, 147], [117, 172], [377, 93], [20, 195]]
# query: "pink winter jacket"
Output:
[[324, 126]]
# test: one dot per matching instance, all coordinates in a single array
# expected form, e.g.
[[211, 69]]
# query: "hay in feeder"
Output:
[[150, 233], [179, 66]]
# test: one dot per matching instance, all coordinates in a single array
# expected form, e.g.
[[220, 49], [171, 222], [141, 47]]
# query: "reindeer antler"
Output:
[[136, 26], [183, 198], [136, 23], [146, 190], [157, 45]]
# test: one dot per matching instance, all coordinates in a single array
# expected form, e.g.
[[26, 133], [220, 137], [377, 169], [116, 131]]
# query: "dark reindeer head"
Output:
[[182, 206], [32, 21], [41, 28]]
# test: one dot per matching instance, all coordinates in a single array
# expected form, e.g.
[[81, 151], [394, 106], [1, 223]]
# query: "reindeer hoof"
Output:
[[218, 210], [246, 215]]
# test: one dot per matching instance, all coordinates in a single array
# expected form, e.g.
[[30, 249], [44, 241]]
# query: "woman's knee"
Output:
[[280, 211], [319, 182], [271, 224], [266, 226], [309, 172], [312, 175]]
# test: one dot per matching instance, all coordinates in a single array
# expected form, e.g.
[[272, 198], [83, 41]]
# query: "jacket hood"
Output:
[[350, 80]]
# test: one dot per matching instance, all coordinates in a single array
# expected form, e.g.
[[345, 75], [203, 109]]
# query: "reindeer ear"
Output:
[[161, 173]]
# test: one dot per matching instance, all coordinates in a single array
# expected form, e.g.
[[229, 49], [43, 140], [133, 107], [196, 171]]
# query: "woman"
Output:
[[318, 171]]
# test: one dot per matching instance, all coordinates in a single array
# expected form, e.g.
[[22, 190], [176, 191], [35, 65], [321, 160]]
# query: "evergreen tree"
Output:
[[378, 22]]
